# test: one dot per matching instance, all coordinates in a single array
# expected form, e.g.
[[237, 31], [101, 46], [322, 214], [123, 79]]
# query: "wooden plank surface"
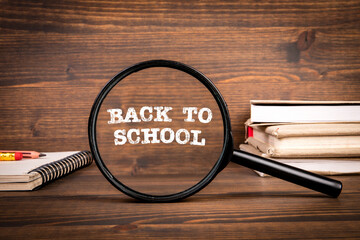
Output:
[[55, 57], [236, 205]]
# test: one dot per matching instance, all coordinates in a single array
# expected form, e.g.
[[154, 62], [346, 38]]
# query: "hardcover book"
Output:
[[305, 140], [323, 166], [304, 111]]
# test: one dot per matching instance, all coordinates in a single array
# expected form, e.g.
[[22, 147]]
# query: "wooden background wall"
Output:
[[55, 56]]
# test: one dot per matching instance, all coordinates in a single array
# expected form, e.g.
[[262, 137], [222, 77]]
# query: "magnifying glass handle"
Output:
[[291, 174]]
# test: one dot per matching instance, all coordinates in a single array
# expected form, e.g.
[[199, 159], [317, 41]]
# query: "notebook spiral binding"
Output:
[[62, 167]]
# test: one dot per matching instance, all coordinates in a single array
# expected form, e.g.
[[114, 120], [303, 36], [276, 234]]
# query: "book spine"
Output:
[[62, 167], [313, 130]]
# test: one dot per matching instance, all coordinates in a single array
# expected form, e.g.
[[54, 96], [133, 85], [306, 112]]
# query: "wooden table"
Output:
[[55, 57], [236, 205]]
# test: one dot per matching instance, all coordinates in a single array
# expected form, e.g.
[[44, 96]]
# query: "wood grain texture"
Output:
[[55, 57], [84, 205]]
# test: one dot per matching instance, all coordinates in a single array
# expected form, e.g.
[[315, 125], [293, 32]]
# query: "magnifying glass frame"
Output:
[[221, 163], [298, 176]]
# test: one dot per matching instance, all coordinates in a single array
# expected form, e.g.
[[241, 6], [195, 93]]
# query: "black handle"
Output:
[[295, 175]]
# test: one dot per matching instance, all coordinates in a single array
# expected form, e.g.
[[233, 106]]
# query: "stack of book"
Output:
[[322, 136]]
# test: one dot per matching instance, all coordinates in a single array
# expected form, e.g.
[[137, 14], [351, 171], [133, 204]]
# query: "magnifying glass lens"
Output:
[[159, 131]]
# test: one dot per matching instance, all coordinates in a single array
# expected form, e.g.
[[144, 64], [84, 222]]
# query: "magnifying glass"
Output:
[[160, 131]]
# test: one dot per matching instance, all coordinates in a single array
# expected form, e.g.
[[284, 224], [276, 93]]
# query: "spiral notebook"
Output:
[[30, 174]]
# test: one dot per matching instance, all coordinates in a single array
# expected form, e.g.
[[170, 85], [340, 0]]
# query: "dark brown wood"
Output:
[[236, 205], [55, 57]]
